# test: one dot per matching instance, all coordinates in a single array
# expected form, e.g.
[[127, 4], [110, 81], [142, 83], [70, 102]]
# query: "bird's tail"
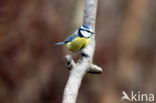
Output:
[[60, 43]]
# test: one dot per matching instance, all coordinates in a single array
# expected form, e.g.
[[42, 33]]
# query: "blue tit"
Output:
[[78, 40]]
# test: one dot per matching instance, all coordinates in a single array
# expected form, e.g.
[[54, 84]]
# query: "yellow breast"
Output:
[[77, 44]]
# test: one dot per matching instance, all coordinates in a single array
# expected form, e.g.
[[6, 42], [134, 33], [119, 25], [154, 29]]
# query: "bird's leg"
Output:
[[83, 54]]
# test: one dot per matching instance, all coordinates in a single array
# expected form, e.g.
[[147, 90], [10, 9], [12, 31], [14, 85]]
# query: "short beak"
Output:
[[93, 32]]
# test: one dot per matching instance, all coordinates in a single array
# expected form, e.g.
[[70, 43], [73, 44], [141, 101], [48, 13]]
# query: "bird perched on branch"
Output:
[[79, 40]]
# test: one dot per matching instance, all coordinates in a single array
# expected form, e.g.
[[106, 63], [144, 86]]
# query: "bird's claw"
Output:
[[84, 54]]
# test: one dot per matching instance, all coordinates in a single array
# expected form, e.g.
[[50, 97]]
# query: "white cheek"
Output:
[[85, 33]]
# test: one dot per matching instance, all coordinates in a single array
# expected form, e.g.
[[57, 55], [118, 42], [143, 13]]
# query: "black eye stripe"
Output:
[[86, 30]]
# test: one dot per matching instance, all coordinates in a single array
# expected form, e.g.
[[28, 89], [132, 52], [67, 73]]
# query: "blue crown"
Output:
[[86, 26]]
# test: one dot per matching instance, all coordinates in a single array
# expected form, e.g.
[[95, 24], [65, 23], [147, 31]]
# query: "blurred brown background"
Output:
[[32, 70]]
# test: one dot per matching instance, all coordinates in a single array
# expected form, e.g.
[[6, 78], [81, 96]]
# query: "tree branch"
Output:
[[84, 64]]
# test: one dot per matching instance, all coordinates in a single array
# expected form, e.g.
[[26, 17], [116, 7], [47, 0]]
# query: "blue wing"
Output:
[[70, 38]]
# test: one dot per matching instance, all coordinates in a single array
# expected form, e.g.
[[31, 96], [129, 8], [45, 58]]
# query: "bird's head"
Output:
[[85, 31]]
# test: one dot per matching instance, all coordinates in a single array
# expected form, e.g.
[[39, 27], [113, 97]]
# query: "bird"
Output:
[[78, 40]]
